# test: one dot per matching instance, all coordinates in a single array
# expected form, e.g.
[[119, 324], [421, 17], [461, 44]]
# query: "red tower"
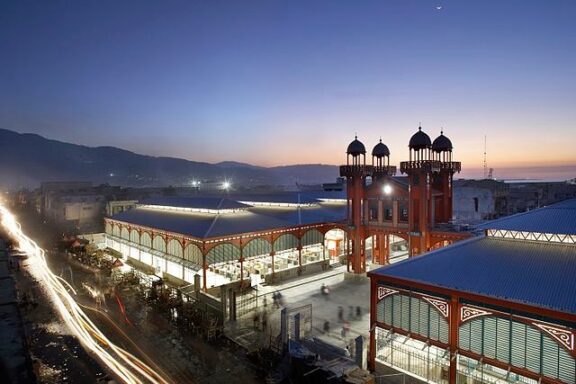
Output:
[[388, 206], [442, 180], [429, 171], [355, 172]]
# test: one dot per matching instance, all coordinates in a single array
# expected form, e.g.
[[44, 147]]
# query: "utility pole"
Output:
[[485, 164]]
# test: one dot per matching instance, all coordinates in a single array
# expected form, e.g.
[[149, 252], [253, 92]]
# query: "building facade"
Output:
[[225, 240], [498, 308], [416, 208]]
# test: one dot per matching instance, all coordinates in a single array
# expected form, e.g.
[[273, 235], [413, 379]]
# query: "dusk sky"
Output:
[[284, 82]]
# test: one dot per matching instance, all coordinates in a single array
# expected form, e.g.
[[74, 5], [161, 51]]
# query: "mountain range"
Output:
[[26, 160]]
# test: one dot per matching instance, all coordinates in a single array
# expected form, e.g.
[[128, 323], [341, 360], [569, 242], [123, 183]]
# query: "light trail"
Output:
[[121, 363]]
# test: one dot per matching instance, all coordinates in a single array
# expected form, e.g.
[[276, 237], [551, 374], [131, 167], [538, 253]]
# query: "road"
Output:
[[178, 357]]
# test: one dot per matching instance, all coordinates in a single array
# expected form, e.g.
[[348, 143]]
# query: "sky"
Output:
[[275, 82]]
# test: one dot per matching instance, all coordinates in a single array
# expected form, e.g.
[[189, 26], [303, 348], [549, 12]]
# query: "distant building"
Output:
[[337, 186], [74, 206], [525, 196], [497, 308], [118, 206], [477, 200]]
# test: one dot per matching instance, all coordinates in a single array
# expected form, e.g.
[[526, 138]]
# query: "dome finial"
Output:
[[380, 138], [441, 130]]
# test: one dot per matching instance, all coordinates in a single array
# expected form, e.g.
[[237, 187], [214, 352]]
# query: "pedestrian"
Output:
[[347, 351], [345, 329], [256, 319], [264, 320], [326, 326], [265, 302], [358, 312], [340, 314]]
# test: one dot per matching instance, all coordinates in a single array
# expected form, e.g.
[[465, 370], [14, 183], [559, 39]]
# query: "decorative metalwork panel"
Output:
[[440, 305], [468, 313], [563, 336], [384, 291]]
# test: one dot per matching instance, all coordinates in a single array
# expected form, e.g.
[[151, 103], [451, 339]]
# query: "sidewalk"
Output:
[[346, 293]]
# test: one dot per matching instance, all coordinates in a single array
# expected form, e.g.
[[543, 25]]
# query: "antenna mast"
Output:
[[485, 165]]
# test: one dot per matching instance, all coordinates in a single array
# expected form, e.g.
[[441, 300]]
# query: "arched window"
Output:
[[311, 237], [146, 240], [193, 253], [518, 344], [413, 315], [134, 236], [124, 233], [222, 253], [159, 244], [285, 242], [108, 229], [256, 247], [175, 248], [116, 230]]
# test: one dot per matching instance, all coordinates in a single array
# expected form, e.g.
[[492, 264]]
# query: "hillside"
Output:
[[26, 160]]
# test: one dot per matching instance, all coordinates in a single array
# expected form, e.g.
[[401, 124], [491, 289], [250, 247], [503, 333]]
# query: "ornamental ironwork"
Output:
[[468, 313], [563, 336], [440, 305], [384, 291]]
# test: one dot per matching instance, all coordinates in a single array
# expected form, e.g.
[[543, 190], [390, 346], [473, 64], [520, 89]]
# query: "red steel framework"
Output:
[[427, 199]]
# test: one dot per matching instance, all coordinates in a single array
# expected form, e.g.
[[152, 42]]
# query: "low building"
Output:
[[478, 200], [497, 308], [225, 240]]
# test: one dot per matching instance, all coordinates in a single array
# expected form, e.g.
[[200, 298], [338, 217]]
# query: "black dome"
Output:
[[420, 140], [356, 148], [442, 143], [380, 150]]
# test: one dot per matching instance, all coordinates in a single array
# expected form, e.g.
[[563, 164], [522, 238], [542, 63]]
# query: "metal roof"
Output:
[[535, 273], [212, 203], [209, 225], [558, 218]]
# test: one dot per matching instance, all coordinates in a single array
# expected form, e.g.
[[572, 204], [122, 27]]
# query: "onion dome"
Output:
[[419, 140], [380, 150], [356, 148], [442, 143]]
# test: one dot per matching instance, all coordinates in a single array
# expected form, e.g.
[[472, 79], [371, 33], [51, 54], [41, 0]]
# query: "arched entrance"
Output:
[[335, 243]]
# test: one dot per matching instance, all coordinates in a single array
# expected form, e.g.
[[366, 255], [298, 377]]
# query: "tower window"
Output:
[[475, 204]]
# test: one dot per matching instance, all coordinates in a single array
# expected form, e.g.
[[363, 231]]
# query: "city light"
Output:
[[123, 365], [387, 189], [226, 185]]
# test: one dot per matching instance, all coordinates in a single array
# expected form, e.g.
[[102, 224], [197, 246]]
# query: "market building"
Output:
[[497, 308], [262, 238]]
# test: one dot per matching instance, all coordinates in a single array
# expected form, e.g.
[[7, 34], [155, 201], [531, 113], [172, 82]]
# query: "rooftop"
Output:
[[208, 225], [501, 268], [558, 218]]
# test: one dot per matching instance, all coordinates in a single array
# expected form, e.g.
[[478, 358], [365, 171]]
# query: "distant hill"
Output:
[[26, 160]]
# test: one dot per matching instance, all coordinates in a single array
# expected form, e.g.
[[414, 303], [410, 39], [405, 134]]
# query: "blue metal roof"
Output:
[[207, 225], [536, 273], [558, 219], [214, 203]]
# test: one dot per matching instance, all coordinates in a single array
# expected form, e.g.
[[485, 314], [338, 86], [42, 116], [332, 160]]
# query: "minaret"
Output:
[[355, 172], [381, 162], [419, 169], [381, 171], [442, 152]]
